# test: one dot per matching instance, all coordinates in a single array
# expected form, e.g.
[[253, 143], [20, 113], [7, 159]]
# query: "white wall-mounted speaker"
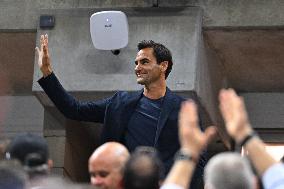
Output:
[[109, 30]]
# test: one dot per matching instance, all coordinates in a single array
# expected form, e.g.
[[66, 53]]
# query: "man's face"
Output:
[[105, 173], [147, 70]]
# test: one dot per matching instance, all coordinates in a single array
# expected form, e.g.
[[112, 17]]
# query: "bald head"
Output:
[[228, 170], [106, 165]]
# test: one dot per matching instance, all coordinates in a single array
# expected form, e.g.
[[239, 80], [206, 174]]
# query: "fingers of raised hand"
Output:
[[209, 134], [45, 44], [228, 102], [188, 114]]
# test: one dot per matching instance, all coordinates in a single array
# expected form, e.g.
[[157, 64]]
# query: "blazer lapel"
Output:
[[167, 107], [128, 109]]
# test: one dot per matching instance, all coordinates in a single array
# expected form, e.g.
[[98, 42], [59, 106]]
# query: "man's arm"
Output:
[[192, 141], [66, 103], [237, 124]]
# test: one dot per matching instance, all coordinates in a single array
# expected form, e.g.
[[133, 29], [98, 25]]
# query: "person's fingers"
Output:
[[183, 114], [192, 113], [228, 103], [41, 41], [207, 136], [224, 104], [188, 114], [45, 50], [46, 39], [209, 133]]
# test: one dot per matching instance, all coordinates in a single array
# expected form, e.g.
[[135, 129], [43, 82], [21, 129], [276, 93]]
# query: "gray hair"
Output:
[[229, 170]]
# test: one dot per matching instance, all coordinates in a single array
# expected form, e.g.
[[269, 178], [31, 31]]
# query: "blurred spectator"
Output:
[[106, 165], [12, 175], [32, 152], [143, 170], [229, 170]]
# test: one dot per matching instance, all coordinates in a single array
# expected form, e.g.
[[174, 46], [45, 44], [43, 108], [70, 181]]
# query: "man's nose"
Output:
[[96, 181], [137, 67]]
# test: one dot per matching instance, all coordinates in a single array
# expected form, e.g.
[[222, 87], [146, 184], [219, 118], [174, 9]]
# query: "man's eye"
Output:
[[103, 174], [144, 62]]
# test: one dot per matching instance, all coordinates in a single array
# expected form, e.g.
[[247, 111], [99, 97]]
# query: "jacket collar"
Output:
[[168, 105]]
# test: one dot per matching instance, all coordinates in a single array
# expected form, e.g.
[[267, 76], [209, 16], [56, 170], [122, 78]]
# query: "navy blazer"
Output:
[[115, 112]]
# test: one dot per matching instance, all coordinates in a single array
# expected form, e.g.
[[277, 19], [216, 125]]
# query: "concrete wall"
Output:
[[210, 78], [20, 114], [20, 110], [240, 13], [24, 14], [266, 110], [266, 114]]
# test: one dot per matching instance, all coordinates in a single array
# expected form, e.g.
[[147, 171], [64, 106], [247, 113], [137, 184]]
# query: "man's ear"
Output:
[[164, 65]]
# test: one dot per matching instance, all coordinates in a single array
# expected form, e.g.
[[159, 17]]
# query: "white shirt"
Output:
[[273, 177], [171, 186]]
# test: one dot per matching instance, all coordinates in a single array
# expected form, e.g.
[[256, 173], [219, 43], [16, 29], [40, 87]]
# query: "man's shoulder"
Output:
[[127, 95], [173, 95]]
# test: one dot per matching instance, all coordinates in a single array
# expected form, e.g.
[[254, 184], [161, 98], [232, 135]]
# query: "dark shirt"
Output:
[[142, 126]]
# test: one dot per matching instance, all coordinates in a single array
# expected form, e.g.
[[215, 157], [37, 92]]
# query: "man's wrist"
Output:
[[46, 72], [242, 133], [185, 155], [247, 138]]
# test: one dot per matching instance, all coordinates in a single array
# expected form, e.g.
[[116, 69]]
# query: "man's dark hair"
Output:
[[143, 169], [161, 53]]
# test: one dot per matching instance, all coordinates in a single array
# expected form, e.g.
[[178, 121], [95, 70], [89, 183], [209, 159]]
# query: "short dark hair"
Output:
[[161, 53], [29, 149], [143, 169]]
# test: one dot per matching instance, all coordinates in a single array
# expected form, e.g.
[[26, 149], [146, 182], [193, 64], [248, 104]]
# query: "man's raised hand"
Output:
[[43, 56], [191, 137], [234, 114]]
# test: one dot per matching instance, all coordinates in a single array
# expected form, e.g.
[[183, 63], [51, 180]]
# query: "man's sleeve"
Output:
[[273, 177], [69, 106]]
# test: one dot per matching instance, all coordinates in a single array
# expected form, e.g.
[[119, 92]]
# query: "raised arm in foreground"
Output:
[[238, 126], [192, 141]]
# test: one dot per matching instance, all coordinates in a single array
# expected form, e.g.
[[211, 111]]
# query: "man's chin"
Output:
[[141, 81]]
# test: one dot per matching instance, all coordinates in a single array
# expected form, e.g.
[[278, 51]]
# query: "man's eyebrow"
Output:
[[143, 59]]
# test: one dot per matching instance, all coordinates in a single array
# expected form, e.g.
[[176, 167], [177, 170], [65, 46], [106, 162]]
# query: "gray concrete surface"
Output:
[[20, 114], [266, 110], [24, 14], [236, 13], [252, 60]]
